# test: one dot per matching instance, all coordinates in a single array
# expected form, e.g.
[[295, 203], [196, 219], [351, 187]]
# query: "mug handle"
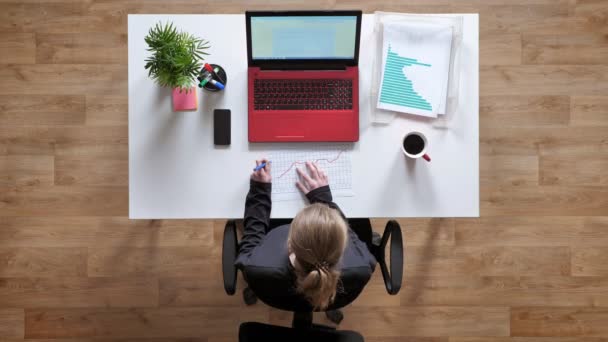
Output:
[[426, 157]]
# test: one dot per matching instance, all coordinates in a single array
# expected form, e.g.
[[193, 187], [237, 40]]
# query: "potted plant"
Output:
[[175, 62]]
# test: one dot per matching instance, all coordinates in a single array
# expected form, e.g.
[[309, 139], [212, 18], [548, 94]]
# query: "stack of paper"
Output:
[[415, 67]]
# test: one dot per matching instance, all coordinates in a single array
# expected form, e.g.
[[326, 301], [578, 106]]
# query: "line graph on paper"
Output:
[[335, 160]]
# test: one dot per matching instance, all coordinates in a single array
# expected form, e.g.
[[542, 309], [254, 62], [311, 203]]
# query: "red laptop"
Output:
[[303, 79]]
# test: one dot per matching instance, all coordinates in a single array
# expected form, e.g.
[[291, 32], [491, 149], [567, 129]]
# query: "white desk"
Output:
[[175, 171]]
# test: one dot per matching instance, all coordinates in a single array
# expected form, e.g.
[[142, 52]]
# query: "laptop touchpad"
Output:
[[292, 127]]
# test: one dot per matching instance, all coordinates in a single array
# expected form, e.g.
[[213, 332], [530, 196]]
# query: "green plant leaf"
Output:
[[176, 56]]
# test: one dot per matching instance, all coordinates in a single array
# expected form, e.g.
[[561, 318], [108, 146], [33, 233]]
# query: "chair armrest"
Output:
[[230, 251], [394, 278]]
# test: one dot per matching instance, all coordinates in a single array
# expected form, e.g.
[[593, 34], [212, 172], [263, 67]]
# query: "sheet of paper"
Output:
[[335, 160], [415, 67]]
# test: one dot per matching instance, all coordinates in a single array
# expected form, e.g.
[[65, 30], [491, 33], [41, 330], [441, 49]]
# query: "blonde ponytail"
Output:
[[318, 237]]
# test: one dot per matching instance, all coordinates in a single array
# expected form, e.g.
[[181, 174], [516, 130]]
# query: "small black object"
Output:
[[222, 77], [335, 316], [221, 126], [249, 297]]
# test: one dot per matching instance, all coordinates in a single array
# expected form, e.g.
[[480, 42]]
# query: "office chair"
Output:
[[302, 327]]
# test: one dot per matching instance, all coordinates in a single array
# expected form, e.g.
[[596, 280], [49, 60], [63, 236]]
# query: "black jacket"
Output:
[[264, 259]]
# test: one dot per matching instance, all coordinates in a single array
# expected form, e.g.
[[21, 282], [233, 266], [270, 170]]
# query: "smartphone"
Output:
[[221, 127]]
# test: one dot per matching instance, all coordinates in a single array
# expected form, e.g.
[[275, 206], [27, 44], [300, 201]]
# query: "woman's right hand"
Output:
[[315, 178], [262, 175]]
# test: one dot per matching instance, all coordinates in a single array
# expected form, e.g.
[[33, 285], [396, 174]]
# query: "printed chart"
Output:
[[397, 88], [335, 160]]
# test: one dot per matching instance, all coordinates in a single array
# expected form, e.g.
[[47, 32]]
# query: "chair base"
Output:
[[252, 331], [335, 316], [249, 297]]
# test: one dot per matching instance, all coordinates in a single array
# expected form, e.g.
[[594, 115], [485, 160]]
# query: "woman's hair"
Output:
[[317, 237]]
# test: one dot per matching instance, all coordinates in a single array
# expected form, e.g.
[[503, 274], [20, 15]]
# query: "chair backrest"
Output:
[[361, 226]]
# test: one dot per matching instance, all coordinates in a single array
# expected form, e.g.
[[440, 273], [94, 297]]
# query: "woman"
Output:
[[316, 263]]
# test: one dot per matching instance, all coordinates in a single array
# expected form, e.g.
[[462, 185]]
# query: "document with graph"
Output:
[[334, 159], [415, 67]]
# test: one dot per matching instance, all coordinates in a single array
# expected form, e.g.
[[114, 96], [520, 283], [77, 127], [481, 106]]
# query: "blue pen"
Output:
[[259, 167], [217, 84]]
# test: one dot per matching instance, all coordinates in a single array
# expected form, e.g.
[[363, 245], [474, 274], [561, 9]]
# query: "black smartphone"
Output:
[[221, 126]]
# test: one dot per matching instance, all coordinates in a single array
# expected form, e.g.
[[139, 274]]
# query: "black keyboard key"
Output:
[[289, 107], [328, 94]]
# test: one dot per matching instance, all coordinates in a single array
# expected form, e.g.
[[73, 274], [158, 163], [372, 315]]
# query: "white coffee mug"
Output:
[[414, 145]]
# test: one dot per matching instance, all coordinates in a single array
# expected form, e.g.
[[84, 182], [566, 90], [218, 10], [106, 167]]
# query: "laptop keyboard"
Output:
[[302, 94]]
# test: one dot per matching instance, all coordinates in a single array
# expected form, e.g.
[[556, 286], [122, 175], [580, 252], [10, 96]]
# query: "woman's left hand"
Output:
[[315, 178]]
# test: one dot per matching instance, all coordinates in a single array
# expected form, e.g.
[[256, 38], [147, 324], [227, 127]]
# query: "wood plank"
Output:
[[42, 110], [544, 200], [532, 141], [138, 323], [81, 48], [590, 261], [528, 339], [374, 295], [532, 231], [428, 321], [595, 9], [119, 8], [17, 48], [500, 49], [11, 323], [63, 79], [65, 201], [405, 339], [40, 231], [526, 111], [567, 170], [505, 18], [219, 6], [110, 141], [394, 6], [107, 110], [160, 261], [202, 290], [199, 339], [42, 262], [59, 17], [559, 321], [91, 171], [419, 231], [486, 261], [589, 111], [559, 17], [68, 292], [12, 18], [26, 170], [505, 291], [508, 170], [565, 49], [543, 80]]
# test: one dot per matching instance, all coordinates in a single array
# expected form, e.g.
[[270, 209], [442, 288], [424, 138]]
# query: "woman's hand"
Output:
[[315, 178], [262, 175]]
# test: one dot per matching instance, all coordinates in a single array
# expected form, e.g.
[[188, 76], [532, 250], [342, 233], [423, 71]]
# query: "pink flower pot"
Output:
[[185, 100]]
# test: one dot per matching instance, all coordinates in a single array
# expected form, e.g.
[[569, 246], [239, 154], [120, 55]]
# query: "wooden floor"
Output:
[[533, 268]]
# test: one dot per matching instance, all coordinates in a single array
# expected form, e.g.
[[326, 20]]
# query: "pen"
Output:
[[208, 67], [205, 80], [217, 84], [215, 71], [259, 167]]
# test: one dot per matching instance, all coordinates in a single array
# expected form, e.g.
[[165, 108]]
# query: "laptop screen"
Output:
[[303, 37]]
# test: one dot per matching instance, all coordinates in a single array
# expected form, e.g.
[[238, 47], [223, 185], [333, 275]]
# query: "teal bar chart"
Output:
[[397, 88]]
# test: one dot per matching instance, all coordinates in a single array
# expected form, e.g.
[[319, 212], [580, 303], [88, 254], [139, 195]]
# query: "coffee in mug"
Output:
[[414, 146]]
